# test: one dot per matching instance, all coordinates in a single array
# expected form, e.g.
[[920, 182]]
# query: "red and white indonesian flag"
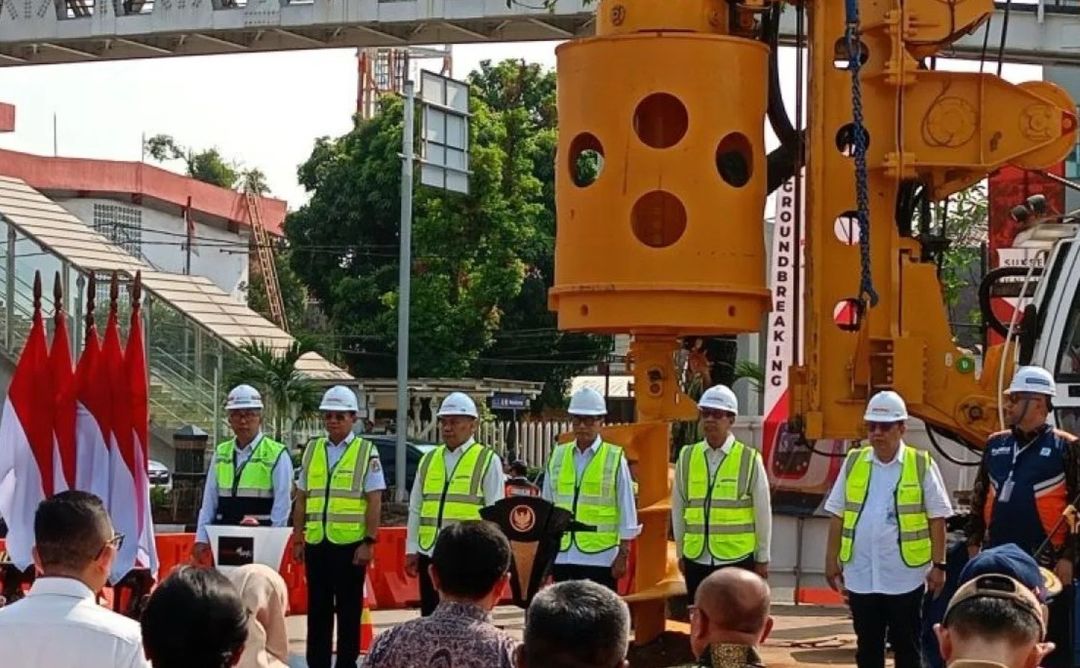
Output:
[[92, 419], [144, 550], [122, 498], [28, 465], [64, 409]]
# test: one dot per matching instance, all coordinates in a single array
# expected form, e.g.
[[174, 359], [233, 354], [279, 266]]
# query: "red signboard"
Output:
[[1008, 188]]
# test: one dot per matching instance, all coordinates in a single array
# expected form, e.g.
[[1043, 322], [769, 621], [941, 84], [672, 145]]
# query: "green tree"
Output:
[[955, 236], [529, 347], [287, 394], [207, 165], [483, 262]]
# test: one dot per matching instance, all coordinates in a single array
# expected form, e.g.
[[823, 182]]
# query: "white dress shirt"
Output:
[[876, 566], [759, 494], [59, 625], [283, 480], [492, 485], [374, 481], [629, 528]]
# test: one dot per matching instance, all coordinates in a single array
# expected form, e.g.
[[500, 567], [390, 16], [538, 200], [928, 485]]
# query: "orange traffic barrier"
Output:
[[295, 578], [390, 585], [173, 549], [818, 596]]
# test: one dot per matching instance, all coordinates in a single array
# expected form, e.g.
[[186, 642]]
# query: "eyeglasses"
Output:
[[871, 427], [244, 415], [715, 413], [117, 541], [586, 420]]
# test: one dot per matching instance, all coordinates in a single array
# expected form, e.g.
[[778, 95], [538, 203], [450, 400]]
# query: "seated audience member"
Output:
[[575, 624], [195, 619], [60, 624], [266, 597], [994, 621], [469, 570], [729, 619]]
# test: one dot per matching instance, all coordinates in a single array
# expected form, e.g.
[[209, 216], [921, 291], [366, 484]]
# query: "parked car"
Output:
[[387, 446], [159, 475]]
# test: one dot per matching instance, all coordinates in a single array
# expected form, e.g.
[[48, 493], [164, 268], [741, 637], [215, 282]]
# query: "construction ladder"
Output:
[[264, 252]]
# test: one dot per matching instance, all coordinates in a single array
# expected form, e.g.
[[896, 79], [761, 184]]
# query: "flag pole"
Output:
[[91, 297]]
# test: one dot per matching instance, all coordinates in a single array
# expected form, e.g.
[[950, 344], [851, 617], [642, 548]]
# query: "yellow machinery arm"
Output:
[[945, 130], [668, 102]]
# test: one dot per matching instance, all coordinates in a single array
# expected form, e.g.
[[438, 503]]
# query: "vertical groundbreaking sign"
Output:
[[798, 477]]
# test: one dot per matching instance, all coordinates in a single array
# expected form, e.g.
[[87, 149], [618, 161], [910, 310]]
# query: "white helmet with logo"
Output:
[[721, 398], [1034, 379], [243, 397], [457, 403], [339, 398], [886, 406], [587, 401]]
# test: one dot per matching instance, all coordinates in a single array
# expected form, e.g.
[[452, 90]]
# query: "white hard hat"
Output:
[[339, 398], [719, 397], [457, 403], [886, 406], [243, 396], [1033, 379], [587, 401]]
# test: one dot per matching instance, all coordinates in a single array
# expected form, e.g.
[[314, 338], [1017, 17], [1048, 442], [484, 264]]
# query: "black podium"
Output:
[[534, 528]]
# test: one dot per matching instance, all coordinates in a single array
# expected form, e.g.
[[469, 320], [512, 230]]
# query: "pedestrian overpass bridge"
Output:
[[64, 31]]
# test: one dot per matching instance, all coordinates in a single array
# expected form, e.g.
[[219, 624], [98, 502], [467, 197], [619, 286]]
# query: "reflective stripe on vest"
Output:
[[719, 511], [914, 525], [336, 504], [593, 500], [454, 498], [256, 479]]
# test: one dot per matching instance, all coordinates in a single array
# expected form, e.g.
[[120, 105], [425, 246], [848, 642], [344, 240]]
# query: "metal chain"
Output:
[[859, 145]]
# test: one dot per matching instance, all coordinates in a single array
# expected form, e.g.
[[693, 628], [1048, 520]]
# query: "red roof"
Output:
[[139, 183]]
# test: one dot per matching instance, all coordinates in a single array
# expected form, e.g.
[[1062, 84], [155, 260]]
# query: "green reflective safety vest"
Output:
[[448, 498], [249, 491], [336, 503], [593, 500], [719, 510], [910, 510]]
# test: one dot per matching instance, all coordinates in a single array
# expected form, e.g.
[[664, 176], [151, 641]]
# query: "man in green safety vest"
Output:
[[721, 512], [453, 482], [250, 477], [335, 524], [591, 478], [886, 543]]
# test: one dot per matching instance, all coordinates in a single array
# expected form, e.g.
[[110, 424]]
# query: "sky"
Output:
[[265, 110]]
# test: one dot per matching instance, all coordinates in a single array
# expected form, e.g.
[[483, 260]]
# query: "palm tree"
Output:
[[287, 393]]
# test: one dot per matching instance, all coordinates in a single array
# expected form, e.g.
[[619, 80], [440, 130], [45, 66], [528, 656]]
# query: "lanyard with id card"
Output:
[[1007, 487]]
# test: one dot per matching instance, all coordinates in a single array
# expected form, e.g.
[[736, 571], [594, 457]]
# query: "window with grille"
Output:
[[121, 225]]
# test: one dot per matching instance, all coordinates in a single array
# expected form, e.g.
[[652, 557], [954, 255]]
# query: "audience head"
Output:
[[575, 624], [731, 606], [73, 537], [1008, 560], [994, 618], [194, 619], [470, 563], [266, 597]]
